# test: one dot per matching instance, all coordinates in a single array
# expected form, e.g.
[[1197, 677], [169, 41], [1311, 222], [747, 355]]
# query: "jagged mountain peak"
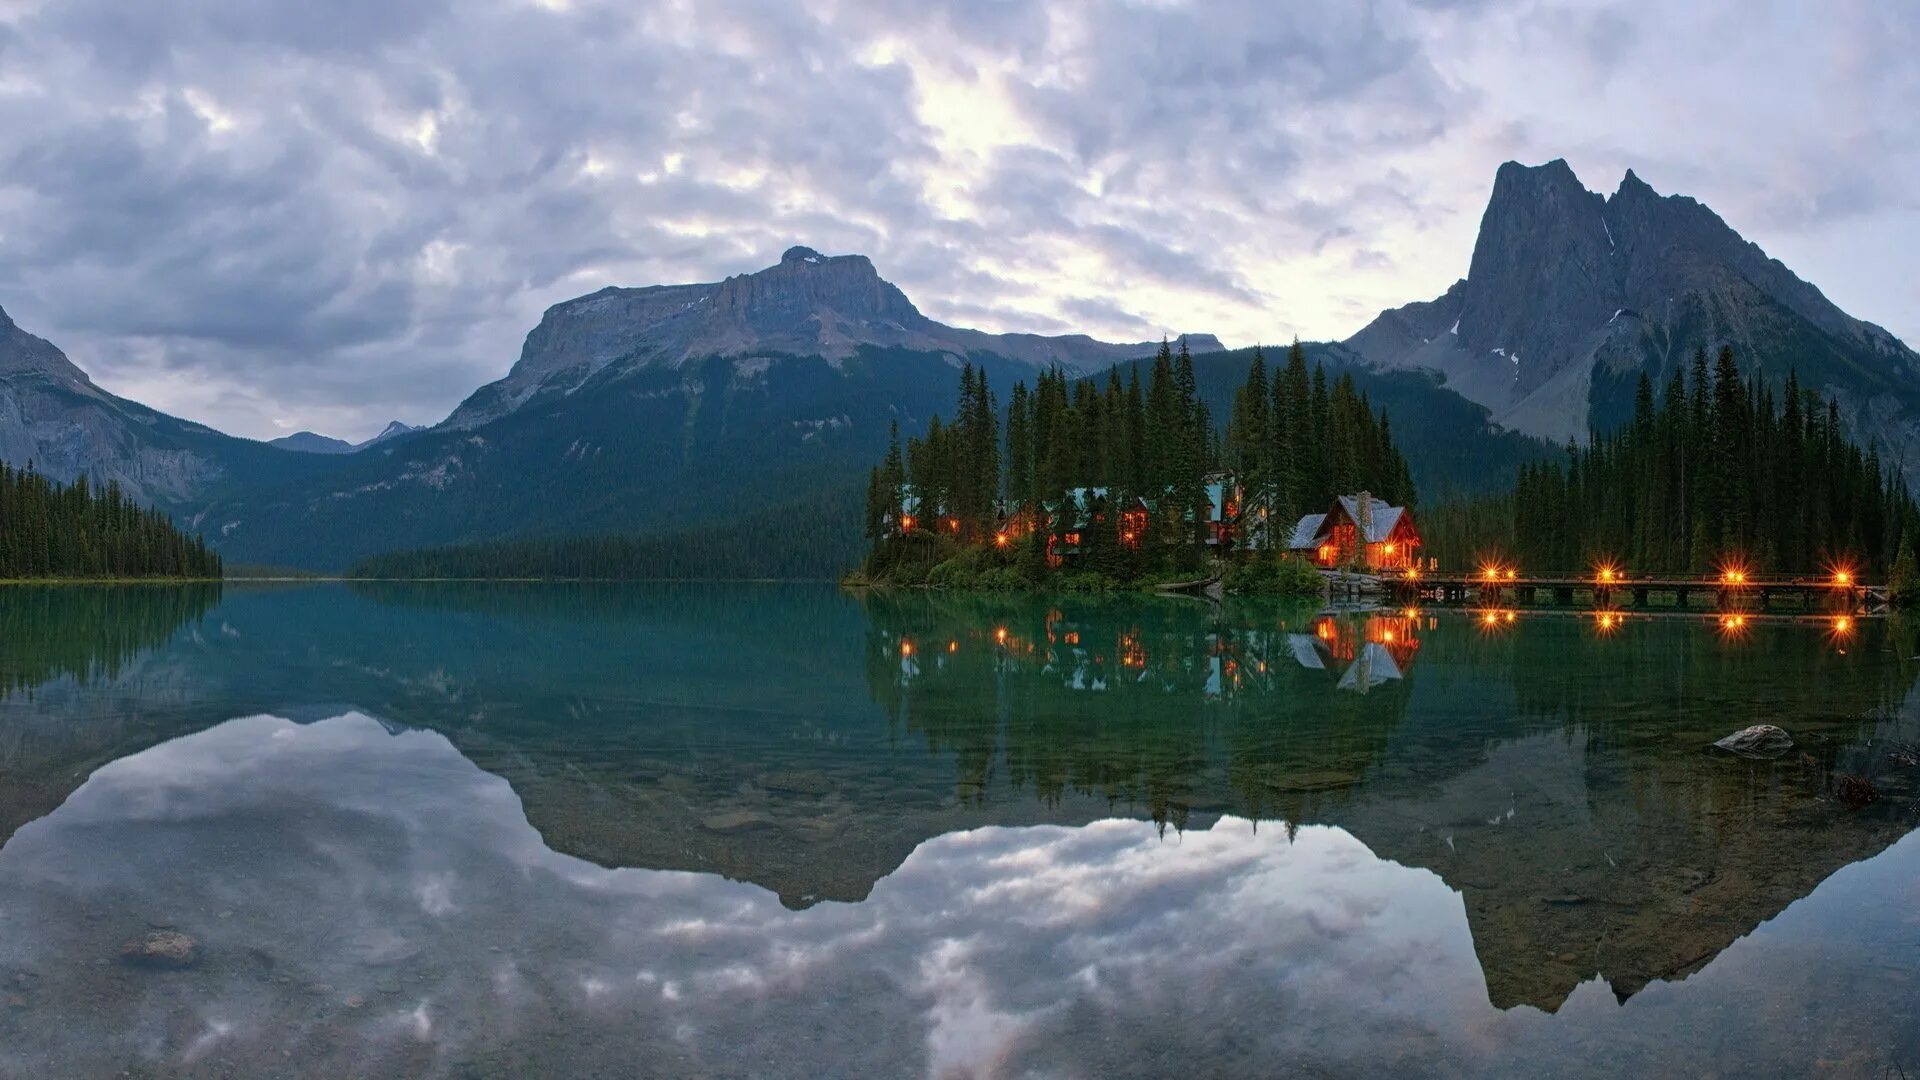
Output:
[[1569, 293]]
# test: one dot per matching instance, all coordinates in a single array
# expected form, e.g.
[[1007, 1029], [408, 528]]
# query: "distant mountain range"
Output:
[[308, 442], [686, 406]]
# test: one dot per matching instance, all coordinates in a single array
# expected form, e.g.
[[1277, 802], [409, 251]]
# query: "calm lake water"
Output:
[[783, 831]]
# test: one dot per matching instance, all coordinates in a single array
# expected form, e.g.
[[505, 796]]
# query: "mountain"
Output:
[[808, 305], [393, 430], [670, 409], [307, 442], [52, 415], [1570, 295]]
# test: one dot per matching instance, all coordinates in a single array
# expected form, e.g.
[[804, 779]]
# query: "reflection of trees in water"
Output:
[[1655, 692], [89, 632], [1133, 699]]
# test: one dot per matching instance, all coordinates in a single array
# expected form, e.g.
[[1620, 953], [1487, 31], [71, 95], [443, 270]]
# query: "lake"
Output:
[[520, 830]]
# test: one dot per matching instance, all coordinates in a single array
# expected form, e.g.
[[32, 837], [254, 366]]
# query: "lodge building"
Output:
[[1358, 530]]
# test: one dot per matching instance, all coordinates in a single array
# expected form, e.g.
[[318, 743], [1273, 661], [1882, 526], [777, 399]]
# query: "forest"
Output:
[[50, 530], [808, 540], [1713, 471], [1293, 440]]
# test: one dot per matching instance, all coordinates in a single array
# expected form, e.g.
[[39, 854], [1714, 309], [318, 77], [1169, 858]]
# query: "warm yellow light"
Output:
[[1000, 539], [1490, 618], [1000, 635], [953, 646], [1412, 613], [1608, 573], [1492, 573], [1510, 616], [1511, 574], [954, 524], [1413, 572], [906, 648], [1843, 625], [1386, 636], [1842, 577], [906, 521], [1389, 549]]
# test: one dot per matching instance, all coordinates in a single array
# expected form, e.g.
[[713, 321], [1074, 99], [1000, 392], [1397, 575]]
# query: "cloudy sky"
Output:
[[273, 215]]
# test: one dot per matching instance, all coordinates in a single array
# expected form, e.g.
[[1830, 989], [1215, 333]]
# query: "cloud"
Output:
[[271, 216]]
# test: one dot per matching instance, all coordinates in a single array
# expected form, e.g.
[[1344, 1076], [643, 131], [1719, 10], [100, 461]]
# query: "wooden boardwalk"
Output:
[[1722, 592]]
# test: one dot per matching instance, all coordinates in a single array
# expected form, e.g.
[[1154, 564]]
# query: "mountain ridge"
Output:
[[806, 304], [1570, 293]]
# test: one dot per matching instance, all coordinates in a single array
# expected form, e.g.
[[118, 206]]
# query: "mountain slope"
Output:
[[807, 305], [1571, 294], [51, 414]]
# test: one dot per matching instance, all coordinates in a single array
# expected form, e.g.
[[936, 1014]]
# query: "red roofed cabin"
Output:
[[1360, 530]]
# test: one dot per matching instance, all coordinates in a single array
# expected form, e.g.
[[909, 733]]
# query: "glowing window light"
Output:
[[906, 522]]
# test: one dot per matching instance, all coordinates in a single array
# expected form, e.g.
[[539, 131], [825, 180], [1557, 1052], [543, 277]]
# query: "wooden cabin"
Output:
[[1360, 530], [1085, 509]]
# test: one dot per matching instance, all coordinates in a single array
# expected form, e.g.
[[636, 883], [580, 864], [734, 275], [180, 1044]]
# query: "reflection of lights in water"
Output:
[[1000, 634], [1606, 622], [906, 648], [1733, 625], [953, 646]]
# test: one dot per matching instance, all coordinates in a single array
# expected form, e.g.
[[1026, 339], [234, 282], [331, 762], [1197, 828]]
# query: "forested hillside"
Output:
[[1716, 470], [815, 540], [51, 530]]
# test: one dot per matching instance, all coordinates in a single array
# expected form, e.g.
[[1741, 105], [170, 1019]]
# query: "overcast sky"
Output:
[[270, 216]]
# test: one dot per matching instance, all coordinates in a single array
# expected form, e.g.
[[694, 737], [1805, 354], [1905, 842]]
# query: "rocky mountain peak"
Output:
[[1566, 286]]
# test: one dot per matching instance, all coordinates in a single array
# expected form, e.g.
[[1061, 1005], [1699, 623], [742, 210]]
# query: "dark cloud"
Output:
[[293, 203]]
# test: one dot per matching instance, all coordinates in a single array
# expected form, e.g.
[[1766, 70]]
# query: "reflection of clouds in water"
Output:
[[381, 889], [370, 901]]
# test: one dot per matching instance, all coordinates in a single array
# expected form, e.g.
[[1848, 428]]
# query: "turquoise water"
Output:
[[784, 831]]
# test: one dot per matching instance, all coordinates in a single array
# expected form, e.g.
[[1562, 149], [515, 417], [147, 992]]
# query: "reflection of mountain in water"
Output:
[[809, 743], [370, 903]]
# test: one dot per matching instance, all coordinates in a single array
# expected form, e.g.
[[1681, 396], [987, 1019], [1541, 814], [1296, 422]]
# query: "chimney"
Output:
[[1365, 499]]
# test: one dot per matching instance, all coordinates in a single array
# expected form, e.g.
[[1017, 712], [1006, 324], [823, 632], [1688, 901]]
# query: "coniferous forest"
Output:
[[804, 541], [1293, 440], [51, 530], [1714, 470]]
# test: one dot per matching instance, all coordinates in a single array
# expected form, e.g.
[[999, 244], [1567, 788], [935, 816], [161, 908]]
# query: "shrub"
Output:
[[1285, 576]]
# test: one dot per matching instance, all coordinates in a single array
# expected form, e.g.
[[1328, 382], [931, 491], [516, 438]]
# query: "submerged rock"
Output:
[[1758, 741], [1855, 791], [161, 949]]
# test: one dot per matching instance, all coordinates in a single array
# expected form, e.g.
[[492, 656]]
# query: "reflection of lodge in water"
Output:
[[1363, 651]]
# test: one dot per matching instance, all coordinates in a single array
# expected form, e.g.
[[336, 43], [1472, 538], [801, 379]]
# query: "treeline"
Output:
[[813, 540], [52, 530], [1294, 440], [1715, 470]]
